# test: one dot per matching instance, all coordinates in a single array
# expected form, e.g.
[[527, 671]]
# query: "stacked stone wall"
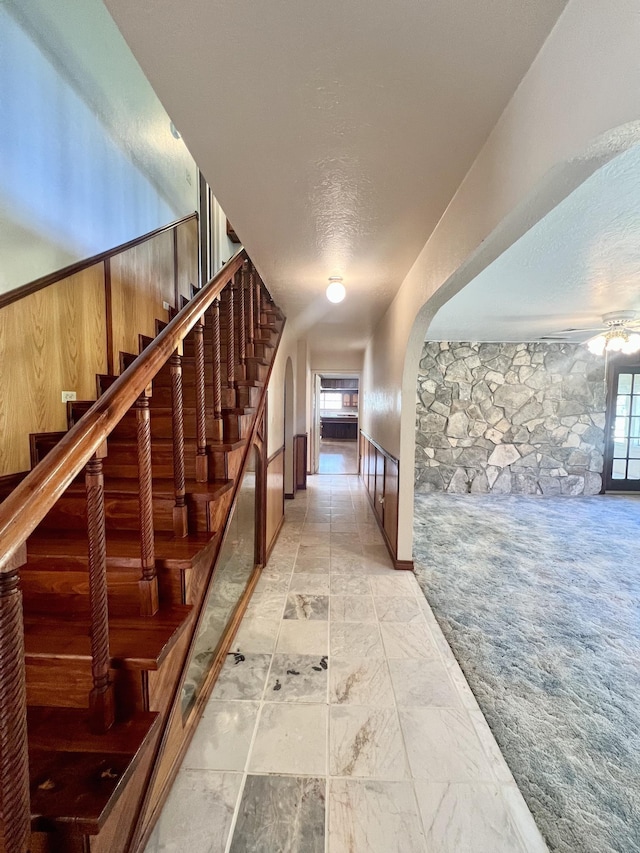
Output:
[[510, 418]]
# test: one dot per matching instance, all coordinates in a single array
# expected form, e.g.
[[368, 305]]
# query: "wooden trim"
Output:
[[275, 455], [72, 269], [108, 306], [300, 462], [274, 540], [25, 508], [8, 483], [380, 448], [392, 548], [176, 279]]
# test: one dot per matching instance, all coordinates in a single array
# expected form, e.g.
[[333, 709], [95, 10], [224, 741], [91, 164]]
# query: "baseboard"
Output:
[[404, 565], [289, 496]]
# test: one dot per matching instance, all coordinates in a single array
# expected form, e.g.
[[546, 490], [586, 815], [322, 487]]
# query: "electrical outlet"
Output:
[[166, 306], [68, 396]]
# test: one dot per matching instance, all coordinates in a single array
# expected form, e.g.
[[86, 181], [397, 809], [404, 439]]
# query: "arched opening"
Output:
[[289, 416], [557, 186], [512, 403]]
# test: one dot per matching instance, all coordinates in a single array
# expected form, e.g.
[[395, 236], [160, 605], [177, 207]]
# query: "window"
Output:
[[331, 399]]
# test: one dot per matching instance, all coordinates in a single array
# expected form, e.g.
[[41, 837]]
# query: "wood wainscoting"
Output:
[[300, 461], [275, 497], [379, 471], [59, 331]]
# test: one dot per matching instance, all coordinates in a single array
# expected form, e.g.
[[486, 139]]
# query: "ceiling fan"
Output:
[[616, 334]]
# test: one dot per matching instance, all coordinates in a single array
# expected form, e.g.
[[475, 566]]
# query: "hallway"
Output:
[[338, 456], [341, 722]]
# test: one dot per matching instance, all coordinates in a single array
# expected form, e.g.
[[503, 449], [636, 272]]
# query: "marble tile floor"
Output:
[[346, 725]]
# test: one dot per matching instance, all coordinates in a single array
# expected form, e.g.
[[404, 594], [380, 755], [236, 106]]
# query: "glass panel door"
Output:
[[623, 458]]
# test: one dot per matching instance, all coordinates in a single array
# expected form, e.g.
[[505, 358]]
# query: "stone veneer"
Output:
[[510, 419]]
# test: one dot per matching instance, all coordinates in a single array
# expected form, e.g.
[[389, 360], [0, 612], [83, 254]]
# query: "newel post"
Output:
[[15, 807]]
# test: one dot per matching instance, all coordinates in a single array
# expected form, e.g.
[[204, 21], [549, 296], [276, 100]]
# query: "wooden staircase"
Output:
[[110, 543]]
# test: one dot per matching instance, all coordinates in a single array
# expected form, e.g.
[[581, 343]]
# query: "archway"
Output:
[[556, 186]]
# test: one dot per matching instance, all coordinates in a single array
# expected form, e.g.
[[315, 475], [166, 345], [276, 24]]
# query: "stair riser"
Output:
[[58, 683], [121, 513], [38, 587], [236, 426], [123, 462], [257, 371]]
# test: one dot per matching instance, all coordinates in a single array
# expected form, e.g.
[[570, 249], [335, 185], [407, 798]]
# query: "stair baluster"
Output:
[[242, 338], [230, 340], [180, 523], [14, 760], [202, 471], [256, 293], [149, 581], [101, 699], [251, 350], [217, 372]]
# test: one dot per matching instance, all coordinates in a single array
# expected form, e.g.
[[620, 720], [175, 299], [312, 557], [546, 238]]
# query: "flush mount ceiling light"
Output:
[[618, 336], [336, 291]]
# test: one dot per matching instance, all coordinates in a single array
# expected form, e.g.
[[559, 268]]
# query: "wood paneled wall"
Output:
[[51, 341], [275, 497], [300, 461], [186, 259], [63, 330], [379, 471], [142, 278]]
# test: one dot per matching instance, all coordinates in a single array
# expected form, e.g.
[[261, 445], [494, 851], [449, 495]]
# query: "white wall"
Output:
[[577, 107], [87, 158], [337, 361], [275, 413]]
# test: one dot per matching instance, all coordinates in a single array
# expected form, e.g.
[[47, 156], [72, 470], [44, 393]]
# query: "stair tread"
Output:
[[76, 776], [227, 445], [135, 642]]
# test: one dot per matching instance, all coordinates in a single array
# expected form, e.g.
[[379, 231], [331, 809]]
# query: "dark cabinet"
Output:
[[342, 428]]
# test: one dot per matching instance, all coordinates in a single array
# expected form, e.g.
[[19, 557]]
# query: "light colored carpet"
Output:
[[539, 600]]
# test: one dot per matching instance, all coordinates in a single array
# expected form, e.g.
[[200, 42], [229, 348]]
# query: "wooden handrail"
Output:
[[28, 504]]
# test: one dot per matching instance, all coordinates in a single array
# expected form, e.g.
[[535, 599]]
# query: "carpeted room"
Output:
[[532, 577]]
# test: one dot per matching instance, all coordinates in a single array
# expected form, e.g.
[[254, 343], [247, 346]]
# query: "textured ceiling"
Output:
[[334, 134], [580, 262]]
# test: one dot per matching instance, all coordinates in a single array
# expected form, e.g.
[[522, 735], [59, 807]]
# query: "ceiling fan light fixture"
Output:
[[597, 345], [618, 336], [336, 291], [616, 339], [632, 345]]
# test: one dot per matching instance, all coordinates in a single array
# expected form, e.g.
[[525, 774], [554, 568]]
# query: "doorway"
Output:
[[336, 407], [622, 453]]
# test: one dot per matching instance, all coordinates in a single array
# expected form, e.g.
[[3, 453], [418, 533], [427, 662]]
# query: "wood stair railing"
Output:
[[106, 543]]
